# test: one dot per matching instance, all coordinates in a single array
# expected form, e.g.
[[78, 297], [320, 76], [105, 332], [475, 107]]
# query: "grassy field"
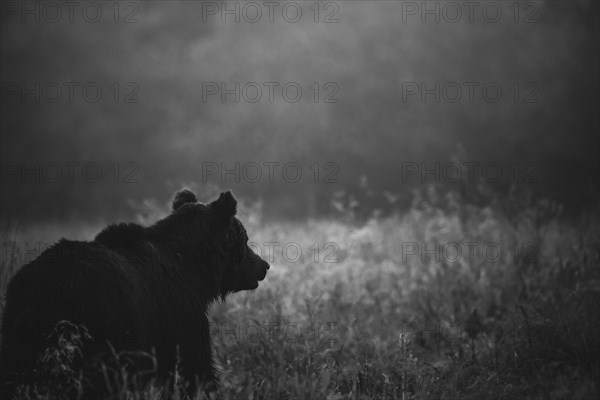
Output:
[[453, 302]]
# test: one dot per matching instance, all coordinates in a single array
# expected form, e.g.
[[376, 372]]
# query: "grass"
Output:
[[398, 313]]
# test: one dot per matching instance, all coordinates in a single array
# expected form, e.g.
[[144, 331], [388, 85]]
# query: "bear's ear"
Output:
[[182, 197], [225, 205]]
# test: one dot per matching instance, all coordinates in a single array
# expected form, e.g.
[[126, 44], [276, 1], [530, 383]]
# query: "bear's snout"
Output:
[[254, 270], [258, 267], [261, 269]]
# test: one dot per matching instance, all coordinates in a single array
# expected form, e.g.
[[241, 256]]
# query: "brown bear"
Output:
[[132, 288]]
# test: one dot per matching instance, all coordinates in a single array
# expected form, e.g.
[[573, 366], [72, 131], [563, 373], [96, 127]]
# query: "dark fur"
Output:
[[137, 288]]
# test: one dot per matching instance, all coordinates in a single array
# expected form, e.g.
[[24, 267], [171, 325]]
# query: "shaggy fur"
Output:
[[133, 288]]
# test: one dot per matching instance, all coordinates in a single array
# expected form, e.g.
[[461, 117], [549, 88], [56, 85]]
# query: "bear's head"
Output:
[[222, 240]]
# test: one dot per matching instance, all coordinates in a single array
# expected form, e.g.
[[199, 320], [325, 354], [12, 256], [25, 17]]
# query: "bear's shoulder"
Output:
[[121, 233]]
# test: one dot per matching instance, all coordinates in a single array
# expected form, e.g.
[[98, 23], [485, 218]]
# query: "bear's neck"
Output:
[[196, 261]]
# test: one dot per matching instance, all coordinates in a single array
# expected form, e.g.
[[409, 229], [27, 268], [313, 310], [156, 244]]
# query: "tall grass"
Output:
[[397, 313], [514, 318]]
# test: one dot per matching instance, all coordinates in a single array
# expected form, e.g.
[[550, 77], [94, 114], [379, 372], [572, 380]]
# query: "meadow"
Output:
[[443, 301]]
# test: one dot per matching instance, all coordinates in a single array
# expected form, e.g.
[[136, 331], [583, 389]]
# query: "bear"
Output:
[[133, 288]]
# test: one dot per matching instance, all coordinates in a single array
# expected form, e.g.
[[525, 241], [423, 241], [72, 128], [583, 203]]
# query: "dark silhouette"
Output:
[[133, 288]]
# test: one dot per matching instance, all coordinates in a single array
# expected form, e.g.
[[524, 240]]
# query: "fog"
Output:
[[519, 91]]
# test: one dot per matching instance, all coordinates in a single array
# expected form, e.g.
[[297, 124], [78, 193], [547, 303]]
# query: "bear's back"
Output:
[[118, 234]]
